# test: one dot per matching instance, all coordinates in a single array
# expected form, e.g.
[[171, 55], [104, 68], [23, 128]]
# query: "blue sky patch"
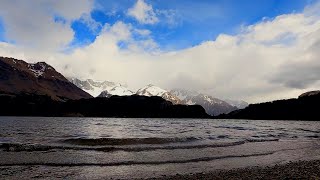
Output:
[[2, 31]]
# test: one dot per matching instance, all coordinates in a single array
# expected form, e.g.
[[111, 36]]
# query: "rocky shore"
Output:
[[292, 170]]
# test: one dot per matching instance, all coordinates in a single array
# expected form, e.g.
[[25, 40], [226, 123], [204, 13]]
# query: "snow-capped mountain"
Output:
[[213, 106], [237, 103], [94, 87], [107, 89], [117, 90], [182, 94], [151, 90]]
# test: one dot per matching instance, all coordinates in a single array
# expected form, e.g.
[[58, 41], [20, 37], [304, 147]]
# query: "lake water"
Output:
[[95, 148]]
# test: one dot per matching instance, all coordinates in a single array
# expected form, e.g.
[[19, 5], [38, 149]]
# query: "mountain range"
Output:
[[17, 77], [95, 88], [212, 105], [37, 89]]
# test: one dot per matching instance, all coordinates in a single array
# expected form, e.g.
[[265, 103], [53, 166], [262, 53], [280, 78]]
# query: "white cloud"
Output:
[[93, 25], [70, 9], [143, 13], [119, 31], [273, 59], [170, 17], [143, 32], [32, 23]]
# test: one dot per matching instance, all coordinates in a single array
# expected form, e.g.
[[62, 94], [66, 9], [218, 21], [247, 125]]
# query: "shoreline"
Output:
[[292, 170]]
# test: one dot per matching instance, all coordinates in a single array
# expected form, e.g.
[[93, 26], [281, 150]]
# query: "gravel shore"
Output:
[[292, 170]]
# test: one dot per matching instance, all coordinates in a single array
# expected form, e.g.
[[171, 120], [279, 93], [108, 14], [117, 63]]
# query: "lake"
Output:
[[94, 148]]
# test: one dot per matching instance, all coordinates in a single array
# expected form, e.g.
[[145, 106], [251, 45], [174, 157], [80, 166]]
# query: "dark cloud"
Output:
[[301, 74], [299, 77]]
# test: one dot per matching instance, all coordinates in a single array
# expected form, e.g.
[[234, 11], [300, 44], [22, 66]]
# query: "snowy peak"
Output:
[[213, 106], [117, 90], [183, 94], [94, 87], [121, 91], [170, 97], [237, 103], [151, 90], [103, 84]]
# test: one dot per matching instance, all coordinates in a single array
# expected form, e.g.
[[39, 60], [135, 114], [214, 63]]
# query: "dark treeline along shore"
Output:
[[39, 90], [115, 106], [305, 107]]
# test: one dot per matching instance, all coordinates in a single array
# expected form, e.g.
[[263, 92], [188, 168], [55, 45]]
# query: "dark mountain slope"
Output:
[[18, 77]]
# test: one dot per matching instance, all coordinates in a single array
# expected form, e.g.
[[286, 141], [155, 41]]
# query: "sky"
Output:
[[248, 50]]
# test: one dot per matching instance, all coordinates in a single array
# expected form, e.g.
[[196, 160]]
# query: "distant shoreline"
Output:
[[291, 170]]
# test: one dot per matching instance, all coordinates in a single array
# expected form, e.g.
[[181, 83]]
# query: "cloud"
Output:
[[143, 32], [126, 37], [169, 17], [143, 13], [93, 25], [313, 9], [302, 71], [273, 59], [35, 24]]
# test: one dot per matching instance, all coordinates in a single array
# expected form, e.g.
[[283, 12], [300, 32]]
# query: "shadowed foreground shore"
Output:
[[293, 170]]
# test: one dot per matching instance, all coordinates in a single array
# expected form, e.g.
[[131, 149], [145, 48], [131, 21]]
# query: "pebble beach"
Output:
[[292, 170]]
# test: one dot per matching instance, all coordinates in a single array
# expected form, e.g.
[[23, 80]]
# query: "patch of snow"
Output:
[[151, 90], [190, 102], [183, 94], [94, 87], [118, 90], [95, 91], [121, 91], [207, 98], [38, 69]]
